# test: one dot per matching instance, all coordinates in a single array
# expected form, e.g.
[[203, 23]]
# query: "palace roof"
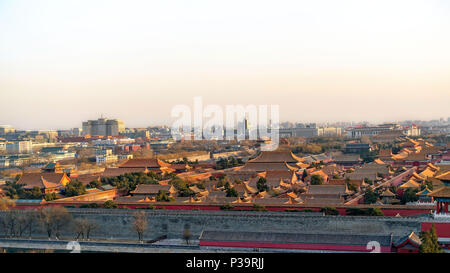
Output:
[[412, 238], [410, 184], [417, 176], [416, 157], [387, 193], [433, 167], [277, 156], [261, 167], [85, 179], [321, 174], [337, 190], [244, 188], [43, 180], [428, 172], [385, 153], [347, 158], [379, 161], [358, 182], [152, 189], [262, 194], [150, 163], [112, 172], [425, 192], [444, 177], [441, 192], [314, 200]]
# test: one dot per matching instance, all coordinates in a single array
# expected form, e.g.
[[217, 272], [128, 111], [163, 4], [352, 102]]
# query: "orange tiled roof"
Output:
[[144, 163], [277, 156], [445, 176], [410, 184], [43, 180], [111, 172]]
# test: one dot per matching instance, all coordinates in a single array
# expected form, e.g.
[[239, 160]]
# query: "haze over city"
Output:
[[62, 62]]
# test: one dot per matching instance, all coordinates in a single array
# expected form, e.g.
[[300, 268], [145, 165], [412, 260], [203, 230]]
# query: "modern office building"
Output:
[[103, 127]]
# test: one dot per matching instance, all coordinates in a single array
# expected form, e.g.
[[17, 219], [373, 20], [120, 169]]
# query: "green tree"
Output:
[[35, 193], [329, 211], [227, 207], [370, 197], [262, 184], [75, 188], [94, 184], [258, 207], [374, 212], [110, 205], [304, 175], [50, 196], [163, 196], [352, 187], [316, 180], [409, 196], [429, 242], [232, 192]]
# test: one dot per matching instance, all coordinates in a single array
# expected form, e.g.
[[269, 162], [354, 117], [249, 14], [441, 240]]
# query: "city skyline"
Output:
[[62, 62]]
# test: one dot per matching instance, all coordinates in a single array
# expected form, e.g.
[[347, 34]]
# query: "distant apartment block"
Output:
[[309, 131], [103, 127], [106, 159], [19, 147], [360, 131]]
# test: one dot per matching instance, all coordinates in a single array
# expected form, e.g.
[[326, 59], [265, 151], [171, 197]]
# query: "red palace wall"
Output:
[[442, 229], [327, 247]]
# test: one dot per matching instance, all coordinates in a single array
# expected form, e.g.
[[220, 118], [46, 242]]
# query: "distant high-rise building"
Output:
[[103, 127], [6, 129]]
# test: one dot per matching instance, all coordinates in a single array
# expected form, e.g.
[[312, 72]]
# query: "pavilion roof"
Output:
[[277, 157], [428, 172], [387, 193], [412, 238], [410, 184], [42, 180], [425, 192], [144, 163], [445, 176], [441, 192], [152, 189], [261, 167], [111, 172]]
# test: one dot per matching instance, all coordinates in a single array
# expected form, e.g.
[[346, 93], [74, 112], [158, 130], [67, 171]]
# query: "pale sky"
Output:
[[62, 62]]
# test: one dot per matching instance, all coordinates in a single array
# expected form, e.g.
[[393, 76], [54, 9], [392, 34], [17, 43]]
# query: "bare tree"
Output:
[[91, 226], [46, 219], [31, 222], [9, 223], [140, 223], [187, 234], [54, 219], [61, 218], [84, 227]]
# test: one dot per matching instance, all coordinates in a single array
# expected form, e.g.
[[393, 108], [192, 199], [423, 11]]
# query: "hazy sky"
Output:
[[62, 62]]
